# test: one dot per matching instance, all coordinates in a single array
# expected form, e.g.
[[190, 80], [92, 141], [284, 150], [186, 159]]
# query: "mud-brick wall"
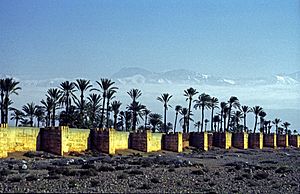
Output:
[[199, 140], [222, 140], [282, 140], [210, 140], [240, 140], [138, 141], [270, 140], [172, 142], [50, 139], [294, 140], [185, 140], [3, 142], [101, 139], [77, 140], [255, 140]]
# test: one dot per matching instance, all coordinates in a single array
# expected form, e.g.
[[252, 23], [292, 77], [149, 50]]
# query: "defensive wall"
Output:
[[63, 140]]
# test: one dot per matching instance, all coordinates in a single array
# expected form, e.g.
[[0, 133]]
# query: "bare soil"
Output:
[[193, 171]]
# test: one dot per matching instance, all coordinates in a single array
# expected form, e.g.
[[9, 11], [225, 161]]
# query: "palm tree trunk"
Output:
[[245, 119], [145, 122], [229, 114], [102, 112], [188, 122], [134, 121], [38, 122], [17, 120], [224, 122], [53, 115], [31, 121], [202, 118], [107, 113], [212, 117], [67, 108], [2, 107], [255, 124], [115, 121], [220, 129], [175, 123], [165, 119], [6, 100], [276, 128], [81, 107]]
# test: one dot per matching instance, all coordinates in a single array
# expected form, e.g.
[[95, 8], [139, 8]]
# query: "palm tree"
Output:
[[184, 119], [245, 110], [94, 106], [146, 113], [16, 115], [137, 109], [67, 90], [262, 115], [39, 114], [256, 110], [48, 106], [10, 87], [206, 121], [189, 93], [165, 98], [276, 123], [29, 110], [105, 85], [177, 109], [2, 89], [155, 120], [82, 85], [197, 125], [226, 113], [286, 125], [202, 102], [134, 94], [216, 119], [128, 118], [213, 103], [223, 105], [232, 102], [115, 106], [236, 117], [109, 96], [55, 95]]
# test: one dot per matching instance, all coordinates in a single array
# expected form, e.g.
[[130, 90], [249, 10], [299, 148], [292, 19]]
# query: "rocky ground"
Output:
[[215, 171]]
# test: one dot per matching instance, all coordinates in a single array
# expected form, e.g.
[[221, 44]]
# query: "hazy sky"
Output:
[[94, 38]]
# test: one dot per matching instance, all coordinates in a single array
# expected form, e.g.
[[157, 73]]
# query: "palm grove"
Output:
[[69, 104]]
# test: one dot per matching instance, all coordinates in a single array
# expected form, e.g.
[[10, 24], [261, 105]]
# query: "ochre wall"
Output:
[[120, 140], [154, 141], [3, 142], [76, 140]]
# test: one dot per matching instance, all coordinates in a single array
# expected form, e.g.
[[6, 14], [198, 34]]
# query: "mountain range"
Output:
[[136, 75]]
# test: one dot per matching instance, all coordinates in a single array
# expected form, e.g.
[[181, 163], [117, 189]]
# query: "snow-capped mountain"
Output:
[[182, 76]]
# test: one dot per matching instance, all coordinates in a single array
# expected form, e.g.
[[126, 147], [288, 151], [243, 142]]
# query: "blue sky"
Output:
[[97, 38]]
